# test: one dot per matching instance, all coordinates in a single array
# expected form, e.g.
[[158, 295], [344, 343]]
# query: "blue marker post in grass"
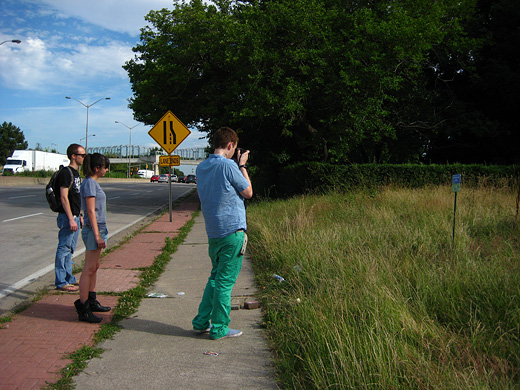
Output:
[[455, 187]]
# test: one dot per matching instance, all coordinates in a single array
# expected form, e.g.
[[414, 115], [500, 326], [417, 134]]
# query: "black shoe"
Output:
[[84, 312], [95, 305]]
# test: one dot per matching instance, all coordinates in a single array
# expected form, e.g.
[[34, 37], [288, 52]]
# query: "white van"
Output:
[[144, 173]]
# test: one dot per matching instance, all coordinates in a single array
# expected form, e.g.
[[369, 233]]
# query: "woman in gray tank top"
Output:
[[94, 234]]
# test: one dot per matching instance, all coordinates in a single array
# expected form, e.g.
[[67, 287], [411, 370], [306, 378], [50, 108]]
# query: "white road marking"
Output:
[[25, 216], [21, 196]]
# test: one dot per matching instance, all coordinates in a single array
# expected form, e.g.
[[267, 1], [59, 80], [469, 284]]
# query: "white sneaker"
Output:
[[232, 333], [201, 331]]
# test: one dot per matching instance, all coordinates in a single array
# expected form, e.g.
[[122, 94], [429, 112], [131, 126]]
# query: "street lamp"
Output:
[[130, 147], [13, 41], [81, 139], [87, 106]]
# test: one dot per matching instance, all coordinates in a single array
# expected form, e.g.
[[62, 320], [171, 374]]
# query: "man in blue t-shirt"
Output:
[[222, 185]]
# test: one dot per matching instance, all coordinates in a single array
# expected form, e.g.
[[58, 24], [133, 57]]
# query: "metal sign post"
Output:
[[169, 161], [169, 133], [170, 193], [455, 187]]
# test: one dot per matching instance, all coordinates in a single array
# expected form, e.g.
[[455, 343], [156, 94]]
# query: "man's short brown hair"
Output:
[[73, 149], [223, 136]]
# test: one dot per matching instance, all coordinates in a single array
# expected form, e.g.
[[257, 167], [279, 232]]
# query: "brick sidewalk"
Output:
[[34, 344]]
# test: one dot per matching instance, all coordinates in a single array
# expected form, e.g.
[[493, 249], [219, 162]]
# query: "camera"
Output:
[[236, 155]]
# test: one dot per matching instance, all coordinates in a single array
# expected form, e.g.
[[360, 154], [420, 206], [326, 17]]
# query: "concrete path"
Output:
[[156, 348]]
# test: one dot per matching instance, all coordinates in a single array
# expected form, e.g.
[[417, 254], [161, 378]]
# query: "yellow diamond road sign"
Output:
[[169, 132]]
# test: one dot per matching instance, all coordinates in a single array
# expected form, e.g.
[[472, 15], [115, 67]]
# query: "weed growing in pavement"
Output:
[[106, 332], [376, 296], [79, 363], [130, 300]]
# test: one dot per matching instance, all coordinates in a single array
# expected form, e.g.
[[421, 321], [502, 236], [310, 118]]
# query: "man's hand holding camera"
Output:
[[241, 156]]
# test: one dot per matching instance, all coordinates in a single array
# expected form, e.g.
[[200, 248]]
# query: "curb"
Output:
[[13, 181]]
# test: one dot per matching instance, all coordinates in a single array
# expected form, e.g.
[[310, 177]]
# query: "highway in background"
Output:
[[29, 234]]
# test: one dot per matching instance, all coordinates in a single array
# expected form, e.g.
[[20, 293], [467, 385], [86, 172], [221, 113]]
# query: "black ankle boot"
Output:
[[95, 305], [84, 312]]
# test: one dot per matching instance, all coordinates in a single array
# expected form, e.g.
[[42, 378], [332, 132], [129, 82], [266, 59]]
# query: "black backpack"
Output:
[[50, 191]]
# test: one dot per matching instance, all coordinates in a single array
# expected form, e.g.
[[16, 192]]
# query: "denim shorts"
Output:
[[90, 239]]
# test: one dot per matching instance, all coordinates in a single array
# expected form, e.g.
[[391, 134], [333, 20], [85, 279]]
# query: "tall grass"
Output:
[[377, 297]]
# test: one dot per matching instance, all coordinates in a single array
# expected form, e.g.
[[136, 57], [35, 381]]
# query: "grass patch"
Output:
[[376, 295]]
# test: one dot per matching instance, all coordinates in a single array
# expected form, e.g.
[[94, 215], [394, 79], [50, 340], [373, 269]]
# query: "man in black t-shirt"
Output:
[[69, 218]]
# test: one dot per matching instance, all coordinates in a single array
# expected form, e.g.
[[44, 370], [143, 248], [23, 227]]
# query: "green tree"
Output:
[[11, 138], [487, 130], [300, 79], [464, 104], [155, 150]]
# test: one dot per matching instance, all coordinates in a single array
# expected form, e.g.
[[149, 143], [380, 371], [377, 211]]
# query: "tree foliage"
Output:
[[320, 80], [492, 90], [11, 138]]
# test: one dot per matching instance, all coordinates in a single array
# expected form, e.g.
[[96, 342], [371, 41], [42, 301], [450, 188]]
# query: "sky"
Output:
[[73, 48]]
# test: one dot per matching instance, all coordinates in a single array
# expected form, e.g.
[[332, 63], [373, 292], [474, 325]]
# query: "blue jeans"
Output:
[[67, 240]]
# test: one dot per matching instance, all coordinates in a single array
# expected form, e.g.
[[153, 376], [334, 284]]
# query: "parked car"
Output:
[[182, 179], [164, 178], [175, 179], [154, 178], [191, 179]]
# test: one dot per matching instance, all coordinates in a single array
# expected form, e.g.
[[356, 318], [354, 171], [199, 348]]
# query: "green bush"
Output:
[[119, 175], [322, 177], [40, 173], [121, 168]]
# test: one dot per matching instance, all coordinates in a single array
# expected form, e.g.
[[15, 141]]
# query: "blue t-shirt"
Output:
[[90, 187], [219, 183]]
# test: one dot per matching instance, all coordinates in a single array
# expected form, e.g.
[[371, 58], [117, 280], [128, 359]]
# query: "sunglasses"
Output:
[[82, 155]]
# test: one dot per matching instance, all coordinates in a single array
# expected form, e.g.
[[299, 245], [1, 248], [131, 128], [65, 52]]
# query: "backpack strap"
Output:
[[57, 190], [72, 177]]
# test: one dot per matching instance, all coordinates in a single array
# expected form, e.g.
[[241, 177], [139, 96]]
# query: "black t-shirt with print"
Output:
[[63, 180]]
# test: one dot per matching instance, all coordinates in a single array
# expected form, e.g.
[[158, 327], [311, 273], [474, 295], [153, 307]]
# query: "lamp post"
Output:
[[87, 107], [130, 147], [13, 41], [84, 138]]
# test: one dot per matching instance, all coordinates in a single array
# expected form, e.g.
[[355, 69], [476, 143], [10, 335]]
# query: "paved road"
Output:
[[28, 231]]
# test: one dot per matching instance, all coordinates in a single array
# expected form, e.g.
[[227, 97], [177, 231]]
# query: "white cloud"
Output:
[[96, 61], [23, 67], [122, 16], [66, 42], [38, 65]]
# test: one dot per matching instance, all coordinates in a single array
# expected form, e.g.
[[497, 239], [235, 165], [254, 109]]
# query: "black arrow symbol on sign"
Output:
[[173, 138]]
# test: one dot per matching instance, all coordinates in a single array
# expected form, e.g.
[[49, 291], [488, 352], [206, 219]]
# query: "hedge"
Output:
[[321, 177]]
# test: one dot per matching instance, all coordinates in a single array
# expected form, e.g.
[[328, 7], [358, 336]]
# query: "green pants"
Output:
[[215, 306]]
